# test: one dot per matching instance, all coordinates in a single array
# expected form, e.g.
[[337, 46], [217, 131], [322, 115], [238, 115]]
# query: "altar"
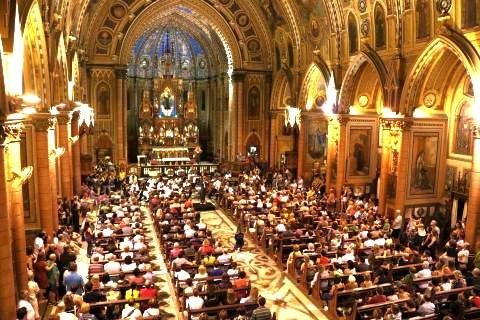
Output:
[[168, 130]]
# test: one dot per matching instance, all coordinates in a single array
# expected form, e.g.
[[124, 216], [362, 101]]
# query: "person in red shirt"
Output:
[[206, 248], [322, 259], [379, 297], [175, 251], [148, 291], [136, 277], [241, 283]]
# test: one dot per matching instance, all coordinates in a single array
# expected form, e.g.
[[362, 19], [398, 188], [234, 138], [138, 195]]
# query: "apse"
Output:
[[183, 49]]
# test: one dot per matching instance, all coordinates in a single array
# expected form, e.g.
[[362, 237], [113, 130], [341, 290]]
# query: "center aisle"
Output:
[[283, 296]]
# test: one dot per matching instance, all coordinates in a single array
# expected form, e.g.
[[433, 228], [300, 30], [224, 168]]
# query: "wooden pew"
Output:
[[247, 306]]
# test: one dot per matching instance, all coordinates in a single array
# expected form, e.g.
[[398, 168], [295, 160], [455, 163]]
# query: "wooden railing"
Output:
[[165, 169]]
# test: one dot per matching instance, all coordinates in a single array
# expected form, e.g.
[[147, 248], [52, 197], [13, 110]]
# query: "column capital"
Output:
[[396, 123], [475, 130], [121, 72], [75, 116], [10, 130], [238, 75], [43, 122], [64, 117], [343, 119]]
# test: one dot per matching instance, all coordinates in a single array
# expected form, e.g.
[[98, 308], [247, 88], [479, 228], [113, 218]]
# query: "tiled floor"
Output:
[[283, 296]]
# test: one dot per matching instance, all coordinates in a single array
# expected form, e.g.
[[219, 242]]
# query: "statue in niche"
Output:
[[380, 40], [190, 106], [423, 19], [167, 104], [352, 35], [253, 103], [103, 99]]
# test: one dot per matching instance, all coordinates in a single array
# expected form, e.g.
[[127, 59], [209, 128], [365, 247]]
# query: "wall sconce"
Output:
[[292, 120], [86, 119], [19, 179], [56, 153]]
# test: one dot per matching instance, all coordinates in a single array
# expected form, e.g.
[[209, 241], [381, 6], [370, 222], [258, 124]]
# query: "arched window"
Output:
[[470, 13], [380, 27], [463, 133], [352, 34], [423, 18]]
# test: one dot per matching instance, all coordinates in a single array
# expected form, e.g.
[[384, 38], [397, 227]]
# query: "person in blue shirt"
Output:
[[73, 279]]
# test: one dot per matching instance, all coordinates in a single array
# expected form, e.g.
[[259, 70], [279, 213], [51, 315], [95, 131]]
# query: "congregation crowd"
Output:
[[346, 255]]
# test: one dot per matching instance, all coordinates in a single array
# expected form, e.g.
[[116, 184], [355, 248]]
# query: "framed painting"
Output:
[[360, 145], [424, 163], [317, 141]]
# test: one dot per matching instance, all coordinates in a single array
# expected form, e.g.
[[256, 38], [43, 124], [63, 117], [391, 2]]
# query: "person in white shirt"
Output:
[[107, 232], [225, 257], [194, 302], [129, 265], [181, 275], [463, 256], [426, 308], [112, 267], [139, 245], [125, 243], [281, 227], [424, 273], [189, 233], [369, 243], [130, 312], [24, 303]]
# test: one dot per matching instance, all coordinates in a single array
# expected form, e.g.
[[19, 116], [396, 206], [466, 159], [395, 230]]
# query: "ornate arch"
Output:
[[36, 78], [316, 72], [350, 81], [452, 41], [281, 86]]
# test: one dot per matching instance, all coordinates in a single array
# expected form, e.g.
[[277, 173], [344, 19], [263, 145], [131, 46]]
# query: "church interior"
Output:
[[239, 159]]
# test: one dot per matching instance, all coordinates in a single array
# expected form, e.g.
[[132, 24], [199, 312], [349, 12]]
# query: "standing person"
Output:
[[53, 275], [88, 237], [239, 240], [73, 279], [202, 191], [40, 273], [397, 226], [262, 312]]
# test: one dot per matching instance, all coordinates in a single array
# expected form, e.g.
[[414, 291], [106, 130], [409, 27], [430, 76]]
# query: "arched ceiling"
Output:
[[235, 26]]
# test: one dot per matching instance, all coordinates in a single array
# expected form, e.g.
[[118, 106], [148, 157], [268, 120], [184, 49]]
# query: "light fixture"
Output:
[[20, 178], [387, 112], [73, 139]]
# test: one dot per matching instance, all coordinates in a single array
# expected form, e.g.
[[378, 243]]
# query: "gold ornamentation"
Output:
[[43, 124], [64, 118], [10, 131]]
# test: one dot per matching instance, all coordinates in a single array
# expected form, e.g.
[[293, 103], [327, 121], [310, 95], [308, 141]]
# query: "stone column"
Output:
[[236, 108], [64, 134], [342, 153], [301, 146], [273, 156], [120, 136], [404, 138], [384, 167], [241, 115], [15, 198], [44, 123], [472, 227], [76, 170], [332, 152], [7, 274]]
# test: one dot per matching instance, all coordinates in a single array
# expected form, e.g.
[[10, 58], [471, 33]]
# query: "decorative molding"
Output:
[[399, 124], [64, 118], [10, 131], [43, 124], [238, 75], [75, 116]]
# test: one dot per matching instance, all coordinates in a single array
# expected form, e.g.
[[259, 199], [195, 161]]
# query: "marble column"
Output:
[[301, 146], [236, 108], [76, 170], [44, 124], [384, 167], [120, 136], [332, 153], [273, 156], [342, 153], [472, 227], [15, 198], [241, 111], [64, 134], [7, 273], [401, 165]]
